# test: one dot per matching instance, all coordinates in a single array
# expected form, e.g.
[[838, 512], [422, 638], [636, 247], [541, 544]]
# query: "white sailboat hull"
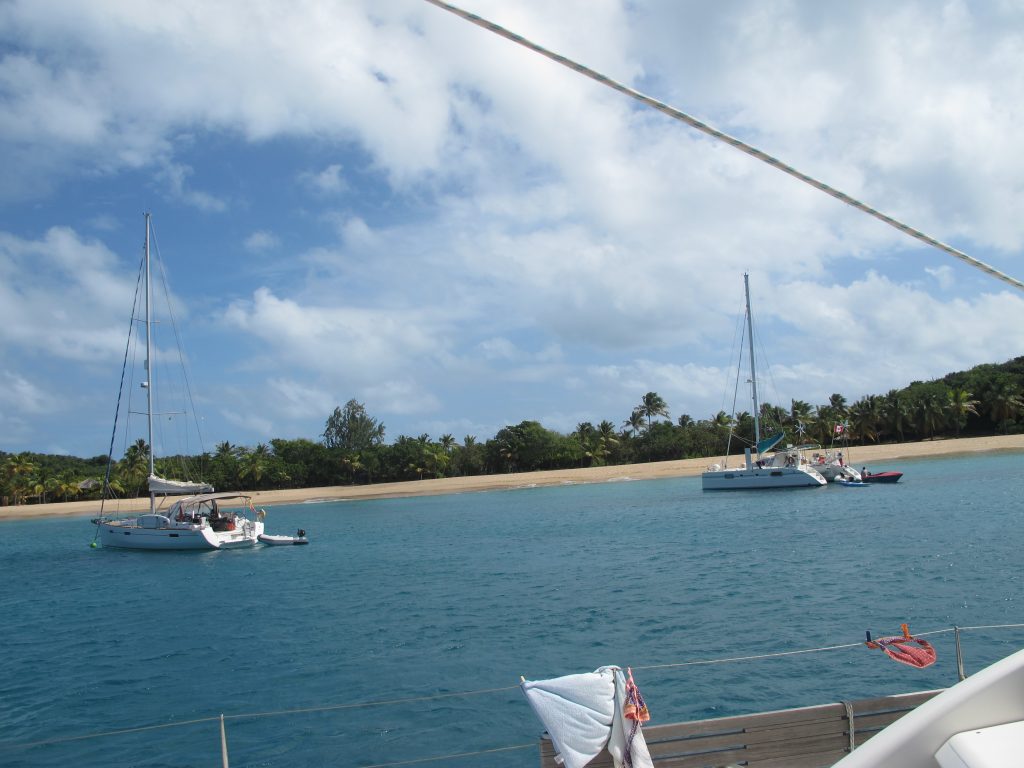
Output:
[[757, 478], [128, 534], [201, 520]]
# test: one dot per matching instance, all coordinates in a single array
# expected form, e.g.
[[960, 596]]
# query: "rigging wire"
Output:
[[189, 407], [117, 408], [730, 140]]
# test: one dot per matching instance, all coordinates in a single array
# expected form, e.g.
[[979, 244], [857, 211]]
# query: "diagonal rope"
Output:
[[730, 140], [105, 491]]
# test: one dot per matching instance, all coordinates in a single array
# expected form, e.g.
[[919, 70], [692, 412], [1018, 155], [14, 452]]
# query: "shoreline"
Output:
[[858, 456]]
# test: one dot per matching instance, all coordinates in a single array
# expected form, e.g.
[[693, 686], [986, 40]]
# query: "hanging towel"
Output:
[[626, 744], [577, 712], [583, 713]]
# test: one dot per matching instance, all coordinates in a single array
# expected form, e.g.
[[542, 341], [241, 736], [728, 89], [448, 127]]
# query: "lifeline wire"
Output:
[[732, 141], [386, 702]]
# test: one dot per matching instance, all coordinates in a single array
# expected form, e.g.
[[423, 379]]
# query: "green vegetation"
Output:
[[987, 400]]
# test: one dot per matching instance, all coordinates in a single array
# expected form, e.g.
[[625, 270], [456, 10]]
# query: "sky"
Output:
[[377, 200]]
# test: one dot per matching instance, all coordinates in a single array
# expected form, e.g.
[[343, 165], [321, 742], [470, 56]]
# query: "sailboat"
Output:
[[785, 468], [202, 519]]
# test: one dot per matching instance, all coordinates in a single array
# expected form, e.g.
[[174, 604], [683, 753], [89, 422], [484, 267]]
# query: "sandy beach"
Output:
[[872, 456]]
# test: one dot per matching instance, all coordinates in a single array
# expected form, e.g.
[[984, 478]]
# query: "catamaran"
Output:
[[785, 468]]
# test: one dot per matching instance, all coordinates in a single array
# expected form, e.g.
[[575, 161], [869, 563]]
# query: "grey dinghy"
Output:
[[279, 541]]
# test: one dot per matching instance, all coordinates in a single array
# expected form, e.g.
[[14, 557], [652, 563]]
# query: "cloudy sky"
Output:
[[375, 199]]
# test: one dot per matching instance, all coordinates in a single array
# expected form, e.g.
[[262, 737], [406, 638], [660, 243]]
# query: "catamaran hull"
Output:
[[758, 478]]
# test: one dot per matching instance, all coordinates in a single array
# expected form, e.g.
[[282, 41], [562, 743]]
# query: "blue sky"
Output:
[[380, 201]]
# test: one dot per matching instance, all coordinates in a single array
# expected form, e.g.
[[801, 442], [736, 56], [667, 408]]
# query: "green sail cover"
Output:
[[770, 442]]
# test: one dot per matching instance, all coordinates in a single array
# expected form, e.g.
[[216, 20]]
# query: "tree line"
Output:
[[988, 399]]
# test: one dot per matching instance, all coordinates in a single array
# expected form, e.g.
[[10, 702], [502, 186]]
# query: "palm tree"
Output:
[[1005, 403], [226, 463], [436, 459], [896, 413], [447, 443], [865, 417], [597, 452], [19, 470], [931, 414], [67, 485], [838, 403], [133, 469], [595, 441], [606, 431], [509, 452], [722, 420], [353, 464], [772, 417], [470, 456], [255, 464], [584, 431], [652, 405], [800, 412], [961, 404], [635, 423]]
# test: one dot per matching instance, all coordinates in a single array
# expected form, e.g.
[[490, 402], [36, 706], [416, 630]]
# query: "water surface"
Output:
[[400, 600]]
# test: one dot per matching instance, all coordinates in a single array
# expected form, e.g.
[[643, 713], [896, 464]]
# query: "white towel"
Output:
[[639, 755], [583, 713], [577, 712]]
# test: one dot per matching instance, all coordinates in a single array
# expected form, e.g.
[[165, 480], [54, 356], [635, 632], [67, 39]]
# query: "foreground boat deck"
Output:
[[808, 737]]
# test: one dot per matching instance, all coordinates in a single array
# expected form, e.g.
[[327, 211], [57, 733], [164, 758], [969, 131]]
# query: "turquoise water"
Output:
[[411, 598]]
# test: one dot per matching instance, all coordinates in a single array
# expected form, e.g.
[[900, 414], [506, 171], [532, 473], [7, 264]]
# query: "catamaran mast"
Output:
[[753, 374], [148, 383]]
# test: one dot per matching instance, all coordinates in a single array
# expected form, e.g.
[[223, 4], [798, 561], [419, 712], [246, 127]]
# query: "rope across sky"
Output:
[[715, 133]]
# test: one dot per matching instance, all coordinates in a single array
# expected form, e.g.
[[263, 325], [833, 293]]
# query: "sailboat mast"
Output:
[[753, 374], [149, 369]]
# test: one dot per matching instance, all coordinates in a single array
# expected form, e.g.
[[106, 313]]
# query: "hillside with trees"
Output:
[[986, 400]]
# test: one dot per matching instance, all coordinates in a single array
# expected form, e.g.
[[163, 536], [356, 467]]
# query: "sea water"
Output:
[[347, 652]]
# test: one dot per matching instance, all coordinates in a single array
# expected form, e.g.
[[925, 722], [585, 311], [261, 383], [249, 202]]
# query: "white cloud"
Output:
[[492, 234], [254, 426], [297, 400], [498, 349], [261, 240], [401, 396], [943, 276], [329, 181], [357, 345], [62, 296], [176, 176], [23, 396]]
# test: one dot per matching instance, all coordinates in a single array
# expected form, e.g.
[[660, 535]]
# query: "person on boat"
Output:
[[864, 472]]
